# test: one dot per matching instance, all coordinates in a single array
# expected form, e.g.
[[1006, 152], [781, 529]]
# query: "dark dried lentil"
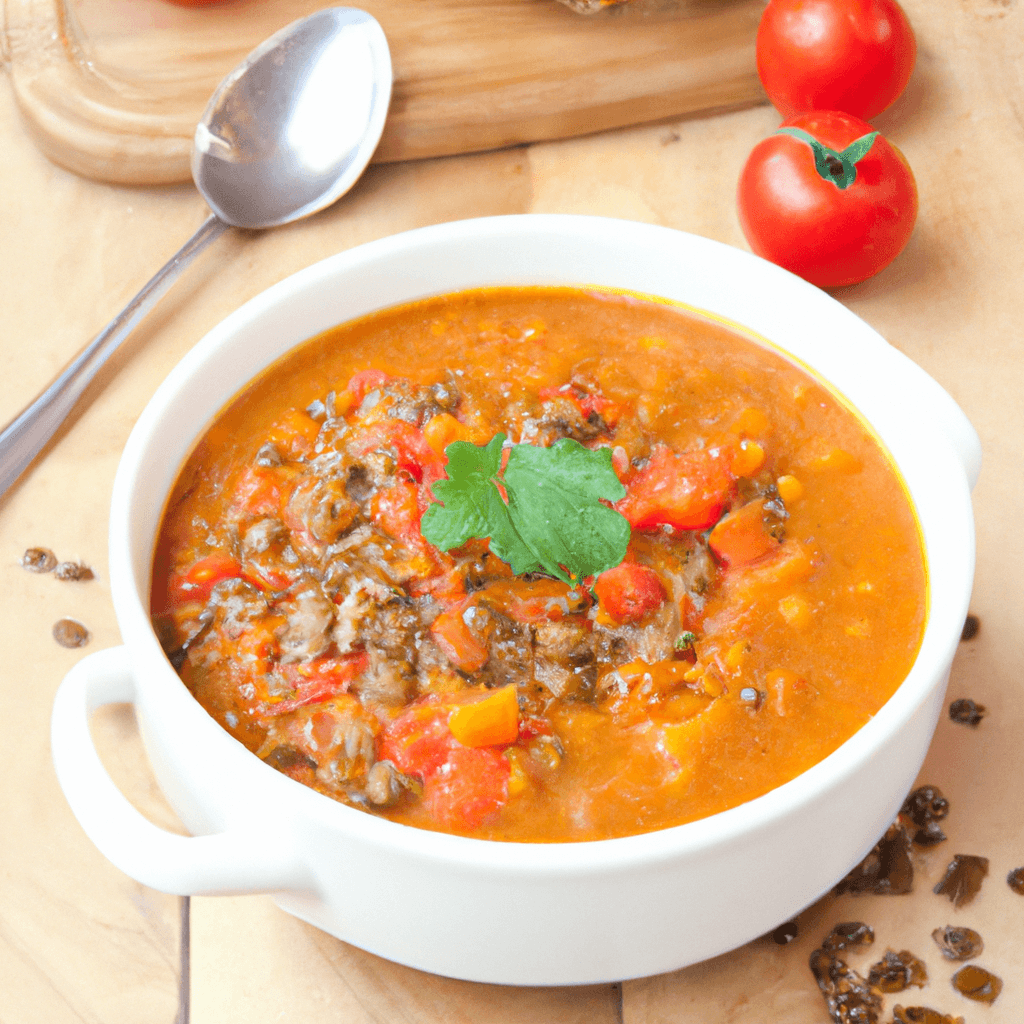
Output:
[[70, 633], [966, 711], [848, 935], [971, 626], [976, 983], [785, 933], [73, 571], [898, 971], [958, 943], [926, 807], [887, 870], [1015, 880], [849, 998], [39, 560], [963, 878], [922, 1015]]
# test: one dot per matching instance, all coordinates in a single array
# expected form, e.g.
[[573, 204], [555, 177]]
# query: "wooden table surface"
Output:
[[80, 942]]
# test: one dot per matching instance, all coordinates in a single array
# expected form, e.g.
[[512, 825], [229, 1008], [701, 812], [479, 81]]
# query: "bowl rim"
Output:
[[697, 837]]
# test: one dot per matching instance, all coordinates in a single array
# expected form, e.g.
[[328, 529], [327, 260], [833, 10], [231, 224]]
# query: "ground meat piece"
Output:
[[417, 404], [511, 657], [785, 933], [652, 641], [887, 870], [320, 507], [383, 784], [388, 682], [561, 417], [339, 736], [563, 660], [309, 618], [963, 878], [358, 484], [391, 630], [234, 604], [261, 535], [898, 971], [958, 943]]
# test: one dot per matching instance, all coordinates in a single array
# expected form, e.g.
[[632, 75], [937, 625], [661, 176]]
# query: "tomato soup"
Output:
[[539, 564]]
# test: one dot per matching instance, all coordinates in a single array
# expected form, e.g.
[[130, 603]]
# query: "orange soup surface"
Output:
[[668, 570]]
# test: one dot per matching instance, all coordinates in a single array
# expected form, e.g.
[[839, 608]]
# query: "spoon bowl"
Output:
[[295, 124], [286, 134]]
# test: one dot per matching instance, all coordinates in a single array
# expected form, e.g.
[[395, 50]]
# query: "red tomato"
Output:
[[200, 579], [629, 591], [849, 55], [471, 785], [686, 491], [797, 216]]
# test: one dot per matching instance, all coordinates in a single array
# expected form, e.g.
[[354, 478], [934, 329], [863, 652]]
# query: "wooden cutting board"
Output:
[[112, 89]]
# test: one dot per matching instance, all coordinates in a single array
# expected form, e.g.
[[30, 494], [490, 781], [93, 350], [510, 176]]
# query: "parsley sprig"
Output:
[[542, 513]]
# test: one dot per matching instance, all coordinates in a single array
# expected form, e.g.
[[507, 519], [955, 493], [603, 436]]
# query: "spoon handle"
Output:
[[27, 434]]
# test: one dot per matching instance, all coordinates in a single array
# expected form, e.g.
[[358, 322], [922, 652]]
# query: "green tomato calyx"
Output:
[[838, 167]]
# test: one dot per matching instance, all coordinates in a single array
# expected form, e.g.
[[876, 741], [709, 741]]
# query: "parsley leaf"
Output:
[[550, 517]]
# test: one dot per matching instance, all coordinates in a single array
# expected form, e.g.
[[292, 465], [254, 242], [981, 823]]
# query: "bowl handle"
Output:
[[911, 382], [240, 860]]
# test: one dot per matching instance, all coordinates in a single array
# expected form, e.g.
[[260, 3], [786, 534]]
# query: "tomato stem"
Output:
[[840, 168]]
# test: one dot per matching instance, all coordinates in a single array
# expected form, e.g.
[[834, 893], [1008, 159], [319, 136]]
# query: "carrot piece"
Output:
[[441, 430], [629, 591], [295, 433], [460, 644], [741, 536], [532, 600], [491, 722]]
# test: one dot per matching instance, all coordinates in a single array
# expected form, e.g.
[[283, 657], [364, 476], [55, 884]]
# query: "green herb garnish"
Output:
[[685, 641], [542, 513]]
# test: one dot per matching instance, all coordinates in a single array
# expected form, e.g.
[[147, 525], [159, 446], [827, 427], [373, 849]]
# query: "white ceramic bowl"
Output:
[[542, 914]]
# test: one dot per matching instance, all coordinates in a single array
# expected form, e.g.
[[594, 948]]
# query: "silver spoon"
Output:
[[286, 134]]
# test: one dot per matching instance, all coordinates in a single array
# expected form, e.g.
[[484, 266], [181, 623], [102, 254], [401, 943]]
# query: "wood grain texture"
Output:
[[112, 89], [79, 942]]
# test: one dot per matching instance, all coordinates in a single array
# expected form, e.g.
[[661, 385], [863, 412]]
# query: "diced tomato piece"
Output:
[[201, 578], [629, 591], [412, 449], [317, 681], [686, 491], [471, 785], [534, 725], [263, 490], [419, 741], [365, 381], [266, 577], [461, 644], [742, 536], [448, 589]]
